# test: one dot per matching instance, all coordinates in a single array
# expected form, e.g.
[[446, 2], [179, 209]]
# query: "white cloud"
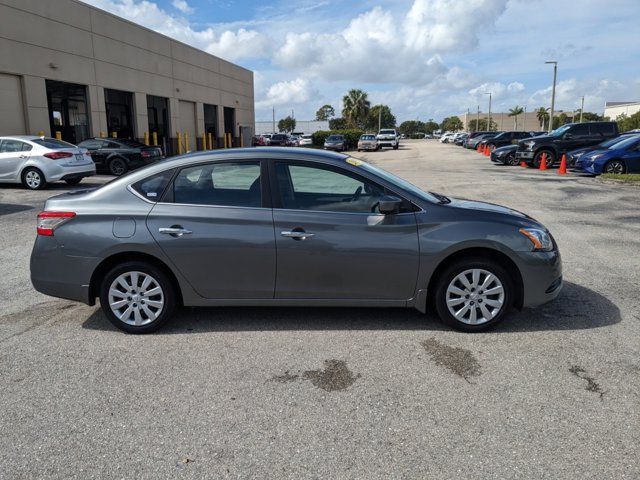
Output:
[[287, 93], [182, 5], [230, 45]]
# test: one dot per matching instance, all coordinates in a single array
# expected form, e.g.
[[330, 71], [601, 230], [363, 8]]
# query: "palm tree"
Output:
[[514, 112], [542, 115], [355, 108]]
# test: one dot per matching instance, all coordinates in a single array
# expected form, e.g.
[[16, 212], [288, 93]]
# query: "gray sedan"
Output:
[[287, 227]]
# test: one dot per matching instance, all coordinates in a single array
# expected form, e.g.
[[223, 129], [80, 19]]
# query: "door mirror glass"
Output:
[[568, 136], [389, 205]]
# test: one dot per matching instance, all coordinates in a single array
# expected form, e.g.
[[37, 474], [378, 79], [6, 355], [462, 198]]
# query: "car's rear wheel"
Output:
[[73, 181], [117, 167], [474, 294], [137, 297], [33, 179], [537, 159], [615, 166], [512, 160]]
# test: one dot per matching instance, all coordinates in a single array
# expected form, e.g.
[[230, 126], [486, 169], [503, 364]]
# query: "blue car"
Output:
[[623, 157], [574, 155]]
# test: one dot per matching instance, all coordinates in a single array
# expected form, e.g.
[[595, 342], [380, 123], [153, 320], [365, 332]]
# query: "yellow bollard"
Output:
[[155, 139], [187, 145], [114, 134], [41, 133], [59, 135], [146, 138], [210, 141], [204, 141], [241, 141], [179, 143], [102, 134]]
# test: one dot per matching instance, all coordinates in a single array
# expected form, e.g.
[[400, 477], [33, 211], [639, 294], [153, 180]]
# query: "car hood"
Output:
[[506, 148], [499, 210], [539, 138]]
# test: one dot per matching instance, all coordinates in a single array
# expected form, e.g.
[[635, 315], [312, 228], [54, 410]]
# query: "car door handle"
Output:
[[175, 231], [23, 156], [296, 235]]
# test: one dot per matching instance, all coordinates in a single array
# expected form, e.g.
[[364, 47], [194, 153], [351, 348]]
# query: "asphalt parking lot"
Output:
[[340, 393]]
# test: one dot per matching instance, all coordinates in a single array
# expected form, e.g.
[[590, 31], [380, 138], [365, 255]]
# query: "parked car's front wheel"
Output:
[[33, 179], [537, 159], [118, 167], [137, 297], [615, 166], [474, 294]]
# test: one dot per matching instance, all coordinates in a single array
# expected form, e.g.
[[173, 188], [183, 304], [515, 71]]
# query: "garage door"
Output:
[[11, 107], [188, 122]]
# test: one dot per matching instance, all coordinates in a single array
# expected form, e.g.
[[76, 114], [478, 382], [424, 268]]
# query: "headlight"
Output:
[[529, 145], [540, 239], [577, 154], [595, 157]]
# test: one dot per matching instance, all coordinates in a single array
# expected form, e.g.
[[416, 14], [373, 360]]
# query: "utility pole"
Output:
[[553, 92], [467, 120], [581, 108], [273, 109], [380, 118], [489, 118], [478, 120]]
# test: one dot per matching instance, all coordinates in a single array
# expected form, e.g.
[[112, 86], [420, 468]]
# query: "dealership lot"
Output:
[[346, 393]]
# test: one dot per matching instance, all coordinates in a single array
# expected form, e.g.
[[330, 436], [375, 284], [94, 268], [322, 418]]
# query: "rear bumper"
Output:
[[59, 275], [541, 276], [53, 173]]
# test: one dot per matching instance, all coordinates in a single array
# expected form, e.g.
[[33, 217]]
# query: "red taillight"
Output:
[[58, 155], [145, 154], [49, 221]]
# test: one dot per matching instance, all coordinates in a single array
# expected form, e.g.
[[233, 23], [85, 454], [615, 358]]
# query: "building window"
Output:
[[211, 120], [119, 107], [68, 115]]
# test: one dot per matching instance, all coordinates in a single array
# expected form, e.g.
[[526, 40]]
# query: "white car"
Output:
[[306, 140], [388, 137], [447, 137], [35, 161]]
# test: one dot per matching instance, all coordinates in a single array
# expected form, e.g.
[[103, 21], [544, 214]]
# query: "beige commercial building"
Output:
[[614, 109], [71, 68], [525, 122]]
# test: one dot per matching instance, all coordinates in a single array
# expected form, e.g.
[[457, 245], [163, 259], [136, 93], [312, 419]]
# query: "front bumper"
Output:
[[368, 146], [332, 146], [525, 154], [541, 276]]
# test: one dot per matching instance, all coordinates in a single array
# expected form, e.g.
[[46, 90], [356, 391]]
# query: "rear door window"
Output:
[[580, 130], [233, 184], [602, 129]]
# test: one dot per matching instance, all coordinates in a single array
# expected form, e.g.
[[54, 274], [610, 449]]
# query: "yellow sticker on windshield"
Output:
[[354, 161]]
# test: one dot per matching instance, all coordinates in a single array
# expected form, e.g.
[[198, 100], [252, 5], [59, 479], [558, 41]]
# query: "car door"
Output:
[[631, 158], [577, 136], [95, 150], [215, 224], [331, 241], [13, 153]]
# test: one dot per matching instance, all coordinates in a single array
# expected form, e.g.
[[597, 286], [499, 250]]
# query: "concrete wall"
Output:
[[70, 41], [304, 126]]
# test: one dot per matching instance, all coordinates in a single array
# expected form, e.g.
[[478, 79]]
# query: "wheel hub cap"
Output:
[[475, 296], [136, 298]]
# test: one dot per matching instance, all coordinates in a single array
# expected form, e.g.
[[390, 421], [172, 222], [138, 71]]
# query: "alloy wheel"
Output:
[[475, 296], [117, 167], [33, 179], [616, 167], [136, 298]]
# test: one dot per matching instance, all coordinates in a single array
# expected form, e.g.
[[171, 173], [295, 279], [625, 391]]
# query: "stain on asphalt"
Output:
[[334, 377], [458, 360], [592, 385]]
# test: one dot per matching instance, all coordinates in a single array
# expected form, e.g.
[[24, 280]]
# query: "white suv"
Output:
[[388, 137]]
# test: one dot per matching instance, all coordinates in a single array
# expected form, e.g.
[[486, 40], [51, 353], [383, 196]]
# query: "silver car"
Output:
[[35, 161], [287, 227]]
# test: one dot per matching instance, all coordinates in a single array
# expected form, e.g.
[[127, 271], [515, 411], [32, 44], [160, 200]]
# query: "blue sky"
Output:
[[423, 58]]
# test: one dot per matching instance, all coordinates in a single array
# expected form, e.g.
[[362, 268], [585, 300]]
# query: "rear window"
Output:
[[131, 143], [153, 187], [52, 143]]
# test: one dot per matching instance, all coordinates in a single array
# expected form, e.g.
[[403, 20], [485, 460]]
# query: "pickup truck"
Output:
[[388, 137]]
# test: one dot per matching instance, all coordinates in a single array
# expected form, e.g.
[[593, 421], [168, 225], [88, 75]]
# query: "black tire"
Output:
[[459, 267], [615, 166], [118, 166], [33, 179], [396, 146], [73, 181], [512, 160], [167, 287], [551, 158]]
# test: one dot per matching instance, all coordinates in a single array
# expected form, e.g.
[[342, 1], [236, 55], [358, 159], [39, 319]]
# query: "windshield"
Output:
[[624, 144], [409, 187], [367, 137], [613, 141], [335, 138], [558, 132], [387, 132]]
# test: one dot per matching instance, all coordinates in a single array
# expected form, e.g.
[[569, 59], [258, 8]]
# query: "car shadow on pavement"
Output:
[[576, 308], [9, 208]]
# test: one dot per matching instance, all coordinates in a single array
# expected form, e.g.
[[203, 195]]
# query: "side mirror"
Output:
[[388, 205], [568, 136]]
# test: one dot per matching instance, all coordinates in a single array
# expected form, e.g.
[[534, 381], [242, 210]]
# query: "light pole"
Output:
[[489, 118], [581, 108], [553, 92], [478, 120]]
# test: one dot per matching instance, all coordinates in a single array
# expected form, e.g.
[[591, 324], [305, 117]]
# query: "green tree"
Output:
[[387, 119], [451, 124], [628, 122], [338, 124], [542, 114], [355, 108], [411, 127], [430, 126], [287, 124], [481, 125], [559, 120], [589, 117], [514, 112], [325, 113]]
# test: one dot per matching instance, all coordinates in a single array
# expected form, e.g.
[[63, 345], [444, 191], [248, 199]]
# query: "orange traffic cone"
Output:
[[486, 151], [563, 165], [543, 162], [478, 148], [523, 164]]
